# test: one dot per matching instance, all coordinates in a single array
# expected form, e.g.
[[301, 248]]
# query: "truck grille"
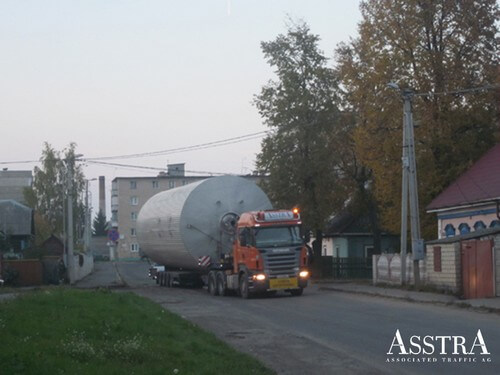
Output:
[[281, 263]]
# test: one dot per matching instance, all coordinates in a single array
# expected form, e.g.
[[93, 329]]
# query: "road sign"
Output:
[[113, 235]]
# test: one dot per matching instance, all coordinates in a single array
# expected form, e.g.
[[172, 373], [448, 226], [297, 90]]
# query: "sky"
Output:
[[132, 76]]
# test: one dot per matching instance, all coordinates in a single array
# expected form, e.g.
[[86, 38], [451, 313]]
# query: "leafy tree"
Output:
[[432, 46], [5, 242], [47, 195], [100, 225], [300, 108]]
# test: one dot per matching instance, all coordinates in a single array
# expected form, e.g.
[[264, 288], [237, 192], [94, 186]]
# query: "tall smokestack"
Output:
[[102, 195]]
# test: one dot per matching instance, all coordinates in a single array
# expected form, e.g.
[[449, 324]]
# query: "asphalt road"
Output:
[[327, 332]]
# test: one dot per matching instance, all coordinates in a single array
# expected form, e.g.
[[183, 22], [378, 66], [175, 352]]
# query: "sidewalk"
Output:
[[104, 274], [351, 287]]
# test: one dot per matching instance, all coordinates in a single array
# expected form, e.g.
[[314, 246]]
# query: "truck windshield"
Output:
[[277, 236]]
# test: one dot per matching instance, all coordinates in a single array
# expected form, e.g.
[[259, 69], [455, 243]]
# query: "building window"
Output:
[[133, 185], [495, 223], [449, 230], [133, 216], [132, 232], [478, 225], [464, 228], [155, 184], [114, 216], [171, 184], [134, 247], [134, 201]]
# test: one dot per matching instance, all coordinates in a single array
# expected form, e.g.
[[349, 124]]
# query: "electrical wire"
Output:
[[142, 167], [223, 142], [460, 91], [201, 146]]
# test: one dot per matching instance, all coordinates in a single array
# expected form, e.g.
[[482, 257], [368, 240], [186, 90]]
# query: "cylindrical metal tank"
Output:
[[176, 227]]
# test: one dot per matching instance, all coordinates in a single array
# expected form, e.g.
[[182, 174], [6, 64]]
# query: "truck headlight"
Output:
[[304, 274], [259, 277]]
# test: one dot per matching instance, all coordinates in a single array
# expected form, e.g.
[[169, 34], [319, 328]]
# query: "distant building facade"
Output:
[[349, 236], [128, 195], [16, 225], [13, 183], [472, 202]]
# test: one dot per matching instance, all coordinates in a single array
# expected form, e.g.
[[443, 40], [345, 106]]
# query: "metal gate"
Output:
[[352, 268], [477, 269]]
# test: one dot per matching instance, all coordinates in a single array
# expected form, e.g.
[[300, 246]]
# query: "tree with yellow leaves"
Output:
[[430, 46]]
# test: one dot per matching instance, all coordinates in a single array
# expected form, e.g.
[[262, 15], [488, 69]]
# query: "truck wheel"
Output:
[[161, 276], [221, 284], [212, 284], [244, 293], [169, 280], [297, 292]]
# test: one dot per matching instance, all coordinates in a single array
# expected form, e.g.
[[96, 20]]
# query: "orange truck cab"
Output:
[[268, 255]]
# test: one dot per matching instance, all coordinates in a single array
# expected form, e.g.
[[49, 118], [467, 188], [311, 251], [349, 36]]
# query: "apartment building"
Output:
[[13, 183], [128, 195]]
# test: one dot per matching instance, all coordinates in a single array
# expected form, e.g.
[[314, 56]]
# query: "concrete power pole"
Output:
[[87, 230], [71, 260], [70, 164], [410, 188], [404, 199]]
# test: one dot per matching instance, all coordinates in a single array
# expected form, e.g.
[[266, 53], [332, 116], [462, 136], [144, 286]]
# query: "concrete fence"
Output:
[[387, 269], [84, 265]]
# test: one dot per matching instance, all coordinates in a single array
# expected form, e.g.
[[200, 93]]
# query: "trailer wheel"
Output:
[[161, 277], [212, 283], [244, 292], [221, 284]]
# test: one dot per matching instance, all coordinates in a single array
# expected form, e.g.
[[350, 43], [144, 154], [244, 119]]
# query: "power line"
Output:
[[142, 167], [459, 91], [201, 146], [20, 162]]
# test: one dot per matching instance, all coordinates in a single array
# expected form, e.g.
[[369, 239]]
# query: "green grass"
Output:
[[64, 331]]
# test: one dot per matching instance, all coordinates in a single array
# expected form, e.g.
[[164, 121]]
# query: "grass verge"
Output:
[[67, 331]]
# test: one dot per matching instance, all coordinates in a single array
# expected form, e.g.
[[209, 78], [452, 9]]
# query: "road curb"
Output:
[[121, 282], [451, 301]]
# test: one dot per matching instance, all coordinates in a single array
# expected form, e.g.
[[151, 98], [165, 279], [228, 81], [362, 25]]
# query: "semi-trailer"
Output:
[[223, 232]]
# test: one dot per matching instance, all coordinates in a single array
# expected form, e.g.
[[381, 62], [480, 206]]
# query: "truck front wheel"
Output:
[[244, 293]]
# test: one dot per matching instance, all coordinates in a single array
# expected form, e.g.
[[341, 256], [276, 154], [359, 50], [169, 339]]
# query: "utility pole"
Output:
[[409, 191], [86, 233], [404, 199], [417, 244], [416, 241], [70, 165], [71, 260]]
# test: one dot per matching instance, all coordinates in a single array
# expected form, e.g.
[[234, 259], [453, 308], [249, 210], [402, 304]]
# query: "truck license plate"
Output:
[[290, 282]]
